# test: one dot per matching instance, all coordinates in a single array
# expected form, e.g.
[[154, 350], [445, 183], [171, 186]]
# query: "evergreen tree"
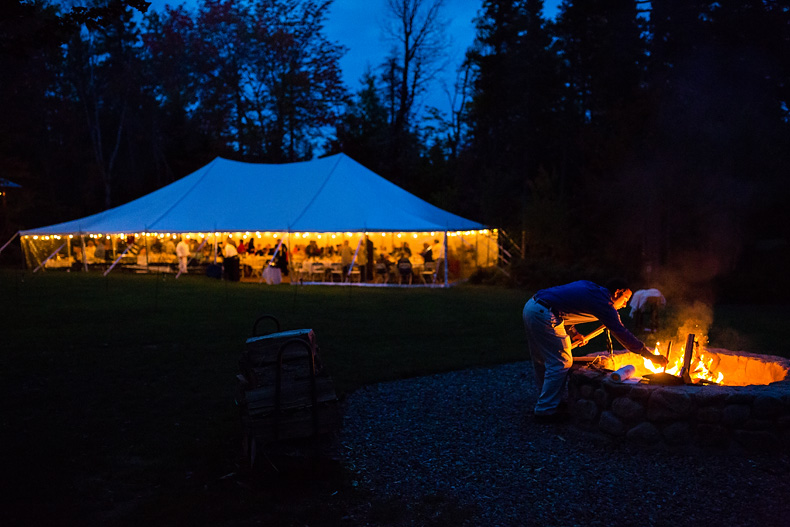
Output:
[[514, 111], [717, 77]]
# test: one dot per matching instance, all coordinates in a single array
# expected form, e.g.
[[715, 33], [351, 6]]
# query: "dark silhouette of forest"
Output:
[[650, 137]]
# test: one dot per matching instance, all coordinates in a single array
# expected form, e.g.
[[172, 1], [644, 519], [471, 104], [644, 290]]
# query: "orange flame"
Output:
[[700, 366]]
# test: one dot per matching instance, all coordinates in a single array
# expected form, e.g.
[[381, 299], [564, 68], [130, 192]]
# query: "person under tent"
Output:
[[182, 253], [231, 261]]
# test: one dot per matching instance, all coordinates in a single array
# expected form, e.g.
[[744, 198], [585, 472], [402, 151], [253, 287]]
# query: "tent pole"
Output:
[[488, 251], [84, 256], [9, 241], [49, 257], [145, 236], [290, 254], [477, 248], [462, 258], [446, 258]]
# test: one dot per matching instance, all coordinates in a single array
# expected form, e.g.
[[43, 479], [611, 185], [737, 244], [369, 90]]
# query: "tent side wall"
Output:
[[155, 252]]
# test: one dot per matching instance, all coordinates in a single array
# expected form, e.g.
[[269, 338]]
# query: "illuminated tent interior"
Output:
[[326, 200]]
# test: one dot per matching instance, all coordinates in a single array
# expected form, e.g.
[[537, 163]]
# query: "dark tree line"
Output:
[[115, 104], [621, 131], [652, 133]]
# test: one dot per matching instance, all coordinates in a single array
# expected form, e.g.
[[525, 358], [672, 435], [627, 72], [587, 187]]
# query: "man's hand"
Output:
[[659, 360], [578, 340]]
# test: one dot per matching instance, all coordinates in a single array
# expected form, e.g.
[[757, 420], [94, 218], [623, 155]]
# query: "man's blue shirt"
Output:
[[585, 301]]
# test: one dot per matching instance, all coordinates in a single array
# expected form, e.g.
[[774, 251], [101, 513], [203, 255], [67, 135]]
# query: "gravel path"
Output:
[[463, 445]]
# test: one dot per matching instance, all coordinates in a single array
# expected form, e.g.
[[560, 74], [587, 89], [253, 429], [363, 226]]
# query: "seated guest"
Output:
[[405, 267], [298, 254], [312, 250], [382, 267]]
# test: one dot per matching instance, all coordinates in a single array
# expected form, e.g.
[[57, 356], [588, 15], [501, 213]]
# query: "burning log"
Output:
[[685, 372], [669, 352], [692, 369]]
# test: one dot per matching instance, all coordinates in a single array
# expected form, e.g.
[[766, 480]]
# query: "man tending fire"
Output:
[[549, 320]]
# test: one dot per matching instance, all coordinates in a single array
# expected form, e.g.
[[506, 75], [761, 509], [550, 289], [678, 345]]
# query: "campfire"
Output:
[[693, 363], [706, 397], [690, 364]]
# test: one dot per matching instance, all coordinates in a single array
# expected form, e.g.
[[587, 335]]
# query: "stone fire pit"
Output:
[[752, 411]]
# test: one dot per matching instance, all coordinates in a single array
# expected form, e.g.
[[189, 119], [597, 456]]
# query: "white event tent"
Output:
[[331, 198]]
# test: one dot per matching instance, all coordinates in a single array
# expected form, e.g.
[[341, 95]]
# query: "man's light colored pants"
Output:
[[550, 347]]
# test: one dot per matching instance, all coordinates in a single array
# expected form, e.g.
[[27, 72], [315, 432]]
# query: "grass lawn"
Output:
[[117, 392]]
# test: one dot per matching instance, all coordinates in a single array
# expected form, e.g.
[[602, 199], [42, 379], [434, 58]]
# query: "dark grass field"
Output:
[[118, 392]]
